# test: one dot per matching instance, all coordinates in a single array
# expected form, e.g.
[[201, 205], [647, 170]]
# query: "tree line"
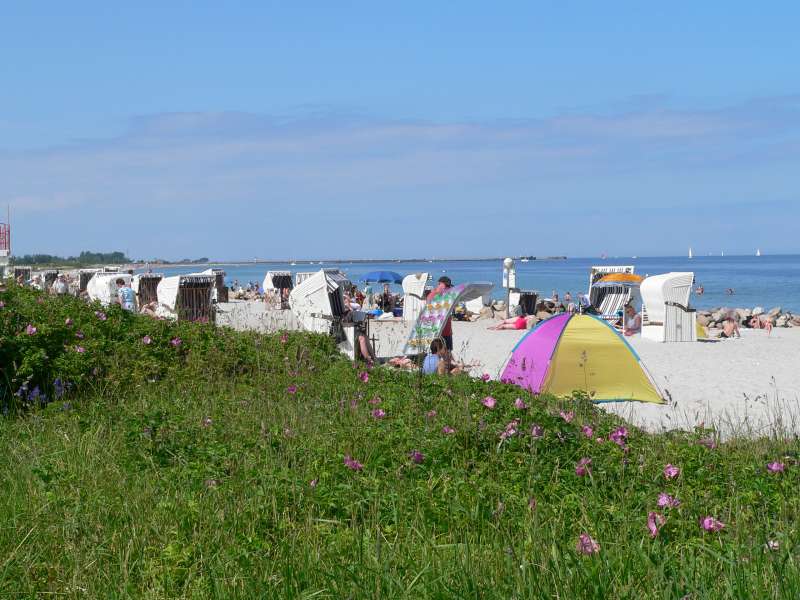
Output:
[[84, 258]]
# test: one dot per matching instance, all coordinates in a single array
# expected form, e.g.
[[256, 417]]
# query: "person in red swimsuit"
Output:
[[512, 323]]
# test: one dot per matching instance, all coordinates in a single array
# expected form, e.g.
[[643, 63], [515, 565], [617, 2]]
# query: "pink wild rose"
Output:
[[147, 340], [567, 416], [776, 467], [416, 457], [711, 524], [671, 471], [100, 315], [537, 431], [364, 376], [430, 414], [619, 436], [519, 404], [584, 467], [80, 349], [667, 501], [489, 402], [447, 430], [68, 322], [30, 330], [586, 545], [352, 463], [176, 341], [485, 377], [378, 413], [292, 389], [655, 521], [587, 431]]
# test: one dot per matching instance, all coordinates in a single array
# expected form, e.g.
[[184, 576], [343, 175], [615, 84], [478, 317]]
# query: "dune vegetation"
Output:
[[147, 459]]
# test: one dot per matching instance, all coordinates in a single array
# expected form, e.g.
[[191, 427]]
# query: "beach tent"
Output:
[[570, 352], [414, 295]]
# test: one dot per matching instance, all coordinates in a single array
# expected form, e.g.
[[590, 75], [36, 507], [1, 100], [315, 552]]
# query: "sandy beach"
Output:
[[743, 387]]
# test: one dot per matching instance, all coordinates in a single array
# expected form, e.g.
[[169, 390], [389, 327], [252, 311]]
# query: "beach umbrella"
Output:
[[382, 277], [570, 352], [616, 279]]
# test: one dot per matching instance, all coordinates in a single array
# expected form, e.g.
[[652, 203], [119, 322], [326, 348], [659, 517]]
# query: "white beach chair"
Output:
[[666, 316], [609, 301], [318, 300], [414, 295]]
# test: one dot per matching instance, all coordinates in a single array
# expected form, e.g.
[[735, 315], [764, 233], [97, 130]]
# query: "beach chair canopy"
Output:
[[574, 352], [382, 277], [623, 279], [103, 286]]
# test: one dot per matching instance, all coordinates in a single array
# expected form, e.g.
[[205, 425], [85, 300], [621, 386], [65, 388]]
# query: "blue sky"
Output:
[[291, 130]]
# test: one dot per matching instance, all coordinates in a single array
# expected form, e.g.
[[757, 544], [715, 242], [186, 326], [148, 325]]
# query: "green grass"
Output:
[[193, 480]]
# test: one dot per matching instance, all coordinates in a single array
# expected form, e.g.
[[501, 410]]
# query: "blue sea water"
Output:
[[766, 281]]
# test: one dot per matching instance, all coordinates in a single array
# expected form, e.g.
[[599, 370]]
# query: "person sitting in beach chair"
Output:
[[631, 321]]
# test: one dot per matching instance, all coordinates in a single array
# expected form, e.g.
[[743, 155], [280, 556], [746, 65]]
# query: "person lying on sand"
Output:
[[756, 322], [730, 329], [513, 323]]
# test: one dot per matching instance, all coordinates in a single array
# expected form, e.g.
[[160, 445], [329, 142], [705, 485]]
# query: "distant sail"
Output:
[[691, 255], [758, 252]]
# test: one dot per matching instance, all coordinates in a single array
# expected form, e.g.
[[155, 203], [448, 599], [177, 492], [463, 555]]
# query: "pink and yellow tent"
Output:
[[570, 352]]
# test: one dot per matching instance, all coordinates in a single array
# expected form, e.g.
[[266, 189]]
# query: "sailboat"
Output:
[[691, 255], [758, 252], [722, 254]]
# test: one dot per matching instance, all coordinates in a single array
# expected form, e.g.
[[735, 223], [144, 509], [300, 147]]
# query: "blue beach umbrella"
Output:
[[382, 277]]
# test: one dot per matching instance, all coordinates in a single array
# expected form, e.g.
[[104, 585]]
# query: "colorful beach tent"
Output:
[[570, 352]]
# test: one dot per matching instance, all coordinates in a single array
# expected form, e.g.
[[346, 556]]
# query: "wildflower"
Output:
[[416, 457], [176, 341], [430, 414], [773, 545], [655, 521], [2, 304], [447, 430], [586, 545], [489, 402], [378, 413], [375, 400], [667, 501], [619, 436], [207, 422], [587, 431], [519, 404], [537, 431], [284, 339], [79, 334], [68, 322], [100, 315], [352, 463], [711, 524], [671, 471], [485, 377], [80, 349], [776, 467], [708, 443], [600, 440], [531, 503], [58, 388], [584, 467], [510, 430], [364, 376], [30, 329], [147, 340], [211, 483], [567, 416], [288, 432], [313, 483], [292, 389]]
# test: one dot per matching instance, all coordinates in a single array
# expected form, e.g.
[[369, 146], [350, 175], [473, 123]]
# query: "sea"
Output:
[[766, 281]]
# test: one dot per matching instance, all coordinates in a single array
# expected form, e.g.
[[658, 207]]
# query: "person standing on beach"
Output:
[[59, 286], [446, 334], [125, 295]]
